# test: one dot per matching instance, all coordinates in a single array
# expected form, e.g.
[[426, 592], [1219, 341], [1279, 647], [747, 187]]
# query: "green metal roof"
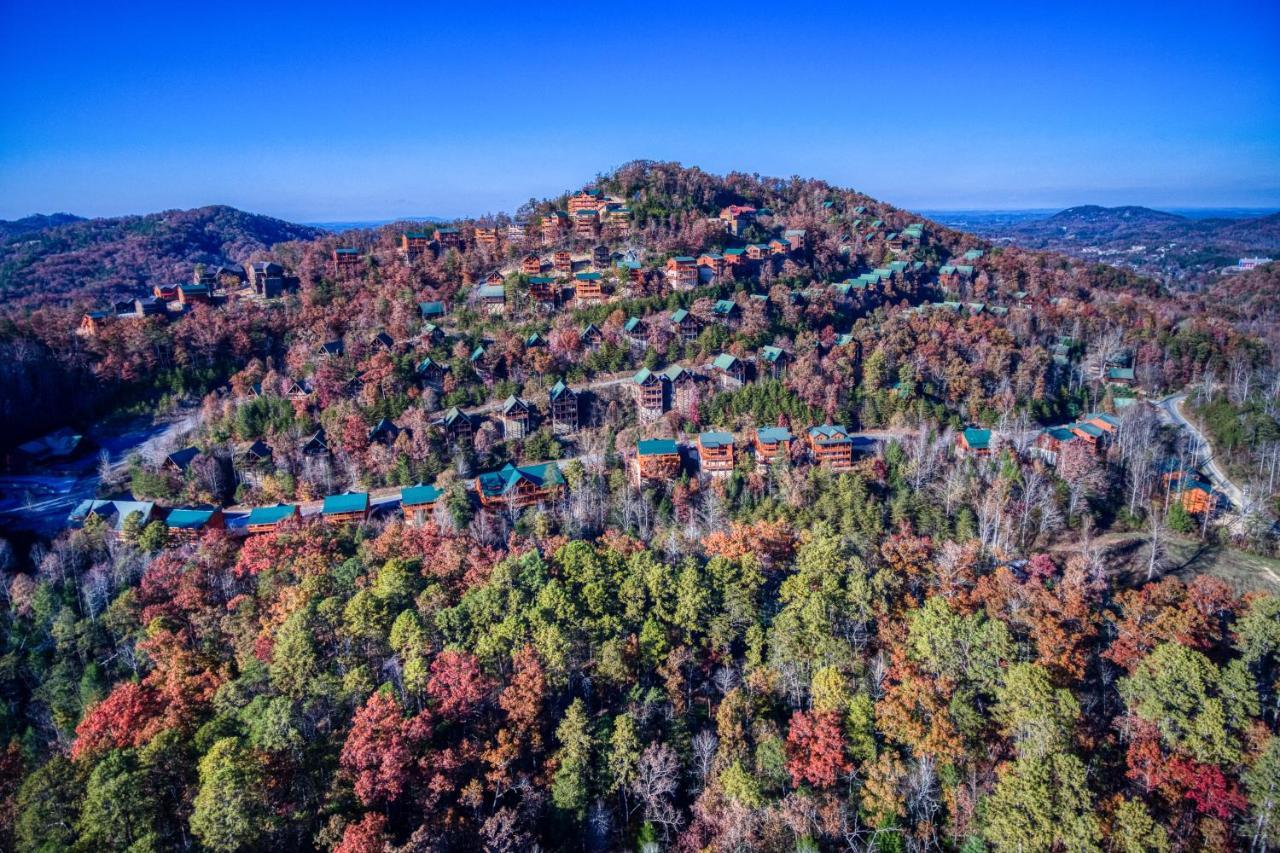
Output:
[[557, 390], [419, 495], [774, 434], [657, 447], [431, 309], [771, 353], [679, 315], [724, 361], [500, 482], [978, 439], [346, 502], [725, 307], [714, 438], [830, 434], [188, 519], [271, 514]]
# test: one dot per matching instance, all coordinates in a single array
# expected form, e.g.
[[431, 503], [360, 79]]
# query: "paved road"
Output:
[[1171, 408]]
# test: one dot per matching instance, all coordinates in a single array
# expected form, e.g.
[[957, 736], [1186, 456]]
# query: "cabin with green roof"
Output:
[[516, 487], [418, 501], [562, 402], [346, 508], [649, 391], [190, 523], [772, 444], [730, 371], [716, 453], [265, 519], [656, 459], [773, 360], [974, 441]]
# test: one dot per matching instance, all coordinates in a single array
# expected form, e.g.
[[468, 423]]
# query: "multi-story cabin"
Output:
[[543, 288], [383, 341], [317, 444], [591, 336], [458, 426], [346, 259], [585, 224], [656, 459], [494, 298], [712, 261], [414, 244], [757, 252], [519, 487], [730, 371], [683, 388], [600, 257], [779, 247], [554, 225], [636, 332], [685, 326], [191, 523], [633, 271], [562, 262], [562, 402], [734, 257], [487, 236], [332, 349], [265, 519], [682, 272], [517, 418], [418, 502], [737, 217], [588, 286], [649, 391], [773, 361], [190, 294], [180, 460], [974, 442], [618, 218], [795, 238], [727, 313], [531, 264], [1120, 376], [589, 199], [266, 278], [715, 453], [449, 238], [346, 508], [772, 444], [831, 446]]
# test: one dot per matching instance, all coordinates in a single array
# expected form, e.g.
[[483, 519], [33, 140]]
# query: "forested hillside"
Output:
[[817, 556], [86, 259]]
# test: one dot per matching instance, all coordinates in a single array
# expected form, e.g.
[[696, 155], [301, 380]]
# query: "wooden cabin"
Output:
[[384, 432], [487, 236], [974, 442], [458, 426], [683, 388], [346, 508], [414, 244], [517, 418], [562, 262], [265, 519], [600, 257], [114, 515], [734, 257], [553, 226], [191, 523], [772, 444], [543, 288], [431, 373], [730, 371], [494, 298], [180, 460], [588, 286], [737, 217], [167, 292], [773, 361], [716, 453], [531, 264], [757, 252], [266, 278], [585, 224], [316, 445], [636, 332], [592, 338], [191, 294], [92, 322], [649, 391], [418, 502], [712, 261], [727, 313], [831, 446], [520, 487], [685, 326], [618, 218], [346, 260], [656, 459], [682, 272], [449, 238], [562, 403]]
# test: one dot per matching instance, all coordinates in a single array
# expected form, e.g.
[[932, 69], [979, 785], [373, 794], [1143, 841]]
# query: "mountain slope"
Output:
[[108, 257], [27, 225]]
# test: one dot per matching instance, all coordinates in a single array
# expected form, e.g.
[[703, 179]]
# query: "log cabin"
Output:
[[588, 286], [531, 264], [346, 508], [773, 361], [346, 260], [656, 459], [520, 487], [649, 391], [831, 446], [414, 244], [458, 426], [562, 402], [716, 453], [685, 326], [562, 262], [418, 502], [191, 523], [973, 441], [265, 519], [517, 418], [682, 272], [772, 444], [730, 371]]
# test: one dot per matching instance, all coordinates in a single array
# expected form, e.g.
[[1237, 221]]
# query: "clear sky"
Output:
[[369, 110]]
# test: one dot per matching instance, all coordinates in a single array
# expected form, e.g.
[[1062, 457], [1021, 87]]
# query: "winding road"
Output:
[[1171, 409]]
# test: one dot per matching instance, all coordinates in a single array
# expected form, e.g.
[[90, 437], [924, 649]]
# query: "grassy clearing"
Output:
[[1126, 556]]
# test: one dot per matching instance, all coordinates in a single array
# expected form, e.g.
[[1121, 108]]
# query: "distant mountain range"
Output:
[[1171, 246], [360, 224], [70, 256]]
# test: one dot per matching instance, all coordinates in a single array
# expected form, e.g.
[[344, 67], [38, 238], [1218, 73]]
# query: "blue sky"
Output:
[[370, 110]]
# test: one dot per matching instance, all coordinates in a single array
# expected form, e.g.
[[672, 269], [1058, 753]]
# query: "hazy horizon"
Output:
[[322, 115]]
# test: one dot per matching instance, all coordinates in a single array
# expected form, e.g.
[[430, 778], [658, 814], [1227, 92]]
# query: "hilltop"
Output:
[[49, 259]]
